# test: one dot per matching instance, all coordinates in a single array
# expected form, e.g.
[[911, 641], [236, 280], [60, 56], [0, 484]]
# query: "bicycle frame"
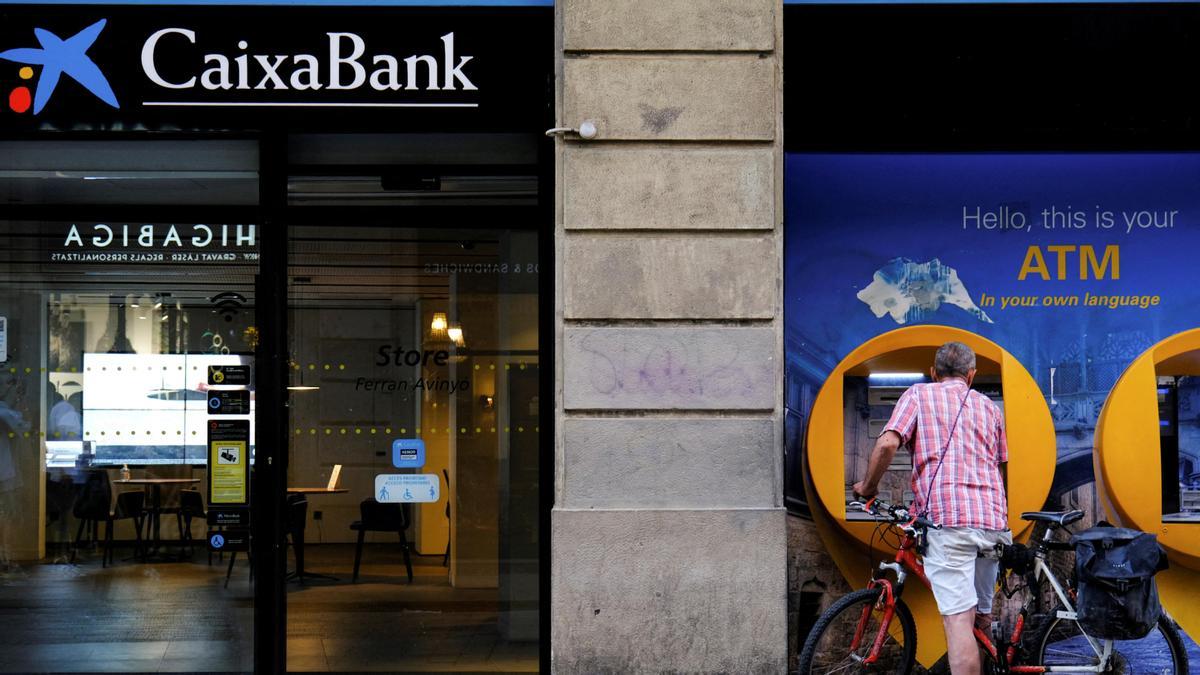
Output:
[[1102, 648], [906, 561]]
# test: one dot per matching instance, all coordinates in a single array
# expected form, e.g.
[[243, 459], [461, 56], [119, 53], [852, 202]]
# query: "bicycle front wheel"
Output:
[[830, 646], [1061, 642]]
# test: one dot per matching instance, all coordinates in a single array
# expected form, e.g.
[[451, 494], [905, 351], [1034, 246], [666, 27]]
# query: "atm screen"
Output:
[[1179, 439]]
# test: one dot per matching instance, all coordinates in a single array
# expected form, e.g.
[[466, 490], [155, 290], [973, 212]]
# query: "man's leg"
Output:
[[960, 643], [950, 559], [987, 568]]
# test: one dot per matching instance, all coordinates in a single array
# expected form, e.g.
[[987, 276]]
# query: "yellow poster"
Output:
[[227, 464]]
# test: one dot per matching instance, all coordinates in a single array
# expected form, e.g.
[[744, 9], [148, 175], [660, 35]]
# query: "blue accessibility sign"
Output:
[[408, 488], [237, 539]]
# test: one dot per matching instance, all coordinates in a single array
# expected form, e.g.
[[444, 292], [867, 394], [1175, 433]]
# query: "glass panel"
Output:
[[108, 330], [167, 172], [414, 425]]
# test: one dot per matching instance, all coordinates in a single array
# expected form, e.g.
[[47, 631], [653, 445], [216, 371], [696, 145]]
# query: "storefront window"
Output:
[[109, 326], [256, 313]]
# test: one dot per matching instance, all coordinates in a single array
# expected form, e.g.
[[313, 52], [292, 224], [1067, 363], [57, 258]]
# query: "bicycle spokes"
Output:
[[859, 641]]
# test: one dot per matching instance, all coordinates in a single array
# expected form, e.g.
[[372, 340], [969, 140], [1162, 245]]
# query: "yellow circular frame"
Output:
[[1129, 469], [1030, 429], [1031, 445], [1127, 459]]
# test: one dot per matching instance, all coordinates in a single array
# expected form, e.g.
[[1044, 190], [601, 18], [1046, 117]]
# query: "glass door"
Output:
[[412, 509]]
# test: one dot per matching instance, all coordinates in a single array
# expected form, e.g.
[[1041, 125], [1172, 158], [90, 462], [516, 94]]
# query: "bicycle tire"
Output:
[[1034, 647], [853, 604]]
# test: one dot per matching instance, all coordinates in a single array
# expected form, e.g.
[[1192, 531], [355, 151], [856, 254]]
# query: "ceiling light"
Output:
[[438, 325]]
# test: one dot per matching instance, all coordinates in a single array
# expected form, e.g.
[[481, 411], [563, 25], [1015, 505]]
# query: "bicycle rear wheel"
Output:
[[1060, 642], [827, 649]]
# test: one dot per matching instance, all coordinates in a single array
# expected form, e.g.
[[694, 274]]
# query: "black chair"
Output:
[[191, 506], [91, 507], [446, 558], [169, 498], [295, 515], [130, 505], [232, 554], [378, 517], [61, 493], [94, 506]]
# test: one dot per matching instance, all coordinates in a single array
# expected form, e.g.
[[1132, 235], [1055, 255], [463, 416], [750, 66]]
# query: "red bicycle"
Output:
[[872, 630]]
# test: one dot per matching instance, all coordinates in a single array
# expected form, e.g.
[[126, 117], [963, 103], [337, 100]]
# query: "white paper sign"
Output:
[[3, 339], [407, 488]]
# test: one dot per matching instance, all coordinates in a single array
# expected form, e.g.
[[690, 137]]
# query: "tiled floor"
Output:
[[178, 617]]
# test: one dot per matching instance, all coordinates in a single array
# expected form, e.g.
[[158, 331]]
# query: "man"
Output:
[[957, 440]]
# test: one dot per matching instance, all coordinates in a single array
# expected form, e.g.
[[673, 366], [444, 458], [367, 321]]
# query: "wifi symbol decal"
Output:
[[227, 304]]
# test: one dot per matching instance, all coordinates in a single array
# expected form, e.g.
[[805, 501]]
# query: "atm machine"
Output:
[[869, 402], [1168, 442]]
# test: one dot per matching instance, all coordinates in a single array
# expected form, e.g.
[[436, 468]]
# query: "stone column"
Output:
[[668, 536]]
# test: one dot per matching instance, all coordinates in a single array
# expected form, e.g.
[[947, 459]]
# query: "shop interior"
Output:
[[412, 272]]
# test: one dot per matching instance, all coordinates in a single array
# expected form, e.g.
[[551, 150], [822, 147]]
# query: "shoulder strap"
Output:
[[942, 455]]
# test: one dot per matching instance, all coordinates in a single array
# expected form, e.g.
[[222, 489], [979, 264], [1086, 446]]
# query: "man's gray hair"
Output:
[[954, 359]]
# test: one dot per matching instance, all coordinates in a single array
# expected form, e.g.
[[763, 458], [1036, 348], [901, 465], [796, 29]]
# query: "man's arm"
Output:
[[900, 427], [881, 457]]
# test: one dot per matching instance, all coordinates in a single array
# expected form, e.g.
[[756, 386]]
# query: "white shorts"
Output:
[[961, 579]]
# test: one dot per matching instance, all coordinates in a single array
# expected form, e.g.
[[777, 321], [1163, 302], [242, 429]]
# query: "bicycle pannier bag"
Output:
[[1114, 569]]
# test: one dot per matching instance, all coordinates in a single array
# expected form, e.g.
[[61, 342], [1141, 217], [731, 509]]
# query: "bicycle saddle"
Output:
[[1060, 518]]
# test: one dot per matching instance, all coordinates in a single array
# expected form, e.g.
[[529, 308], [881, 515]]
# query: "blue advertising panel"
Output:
[[1074, 263], [1046, 254], [1080, 269]]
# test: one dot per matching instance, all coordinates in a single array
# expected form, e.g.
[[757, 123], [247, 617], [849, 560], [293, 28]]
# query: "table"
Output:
[[298, 535], [316, 491], [155, 500]]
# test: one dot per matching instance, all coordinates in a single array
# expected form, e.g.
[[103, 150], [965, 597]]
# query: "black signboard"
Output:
[[233, 375], [236, 402], [229, 517], [129, 67]]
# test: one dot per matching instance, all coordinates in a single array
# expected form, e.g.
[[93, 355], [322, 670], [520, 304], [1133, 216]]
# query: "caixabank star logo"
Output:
[[54, 58]]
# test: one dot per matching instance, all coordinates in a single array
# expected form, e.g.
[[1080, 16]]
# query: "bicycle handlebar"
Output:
[[899, 515]]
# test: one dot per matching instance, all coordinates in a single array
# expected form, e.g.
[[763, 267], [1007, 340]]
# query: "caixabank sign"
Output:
[[133, 67]]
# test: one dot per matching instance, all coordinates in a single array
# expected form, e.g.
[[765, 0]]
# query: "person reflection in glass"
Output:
[[12, 426], [64, 422]]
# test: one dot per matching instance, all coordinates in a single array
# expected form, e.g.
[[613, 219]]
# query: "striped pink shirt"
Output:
[[968, 491]]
